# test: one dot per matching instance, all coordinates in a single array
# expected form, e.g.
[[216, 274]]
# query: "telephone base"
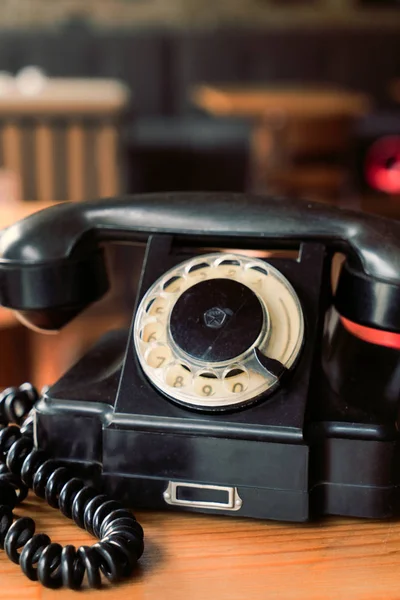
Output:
[[272, 476]]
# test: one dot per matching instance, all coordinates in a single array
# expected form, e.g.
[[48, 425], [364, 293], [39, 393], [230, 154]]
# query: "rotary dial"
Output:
[[218, 331]]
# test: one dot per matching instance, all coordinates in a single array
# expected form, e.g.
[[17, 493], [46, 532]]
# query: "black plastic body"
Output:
[[323, 443]]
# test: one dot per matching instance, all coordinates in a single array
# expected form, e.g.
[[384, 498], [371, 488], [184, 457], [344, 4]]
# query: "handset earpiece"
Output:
[[45, 277], [368, 301], [83, 283], [48, 296]]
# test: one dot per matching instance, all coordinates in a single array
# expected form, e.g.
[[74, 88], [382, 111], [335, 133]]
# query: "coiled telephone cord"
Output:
[[21, 467]]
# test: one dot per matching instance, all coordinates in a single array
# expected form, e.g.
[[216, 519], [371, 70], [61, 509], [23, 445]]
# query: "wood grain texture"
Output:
[[202, 557]]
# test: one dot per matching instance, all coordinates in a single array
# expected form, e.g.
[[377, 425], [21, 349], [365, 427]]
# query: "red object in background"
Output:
[[382, 165], [372, 336]]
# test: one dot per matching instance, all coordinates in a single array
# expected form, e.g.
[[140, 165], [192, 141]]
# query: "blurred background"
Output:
[[102, 97]]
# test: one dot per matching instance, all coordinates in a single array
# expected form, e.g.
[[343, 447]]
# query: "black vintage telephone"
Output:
[[244, 387]]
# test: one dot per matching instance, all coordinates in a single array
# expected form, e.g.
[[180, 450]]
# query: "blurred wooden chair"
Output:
[[59, 141]]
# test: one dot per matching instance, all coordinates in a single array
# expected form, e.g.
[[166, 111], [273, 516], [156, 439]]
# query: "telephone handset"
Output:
[[244, 386]]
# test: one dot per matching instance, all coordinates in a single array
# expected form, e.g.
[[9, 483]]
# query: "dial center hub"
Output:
[[216, 320]]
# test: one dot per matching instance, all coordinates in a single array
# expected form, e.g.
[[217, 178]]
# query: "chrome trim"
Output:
[[234, 500]]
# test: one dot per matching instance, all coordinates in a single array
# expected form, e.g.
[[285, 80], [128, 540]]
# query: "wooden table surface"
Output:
[[198, 557], [297, 102]]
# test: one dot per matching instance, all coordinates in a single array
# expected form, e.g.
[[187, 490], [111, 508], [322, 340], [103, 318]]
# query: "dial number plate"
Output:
[[203, 383]]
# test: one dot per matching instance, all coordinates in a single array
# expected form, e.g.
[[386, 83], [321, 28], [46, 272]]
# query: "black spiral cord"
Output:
[[23, 467]]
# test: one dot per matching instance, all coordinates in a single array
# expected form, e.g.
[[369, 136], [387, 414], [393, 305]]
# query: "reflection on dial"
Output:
[[285, 314], [205, 384]]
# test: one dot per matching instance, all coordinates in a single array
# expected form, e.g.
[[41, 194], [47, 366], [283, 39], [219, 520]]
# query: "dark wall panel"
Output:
[[206, 57], [367, 60], [138, 58], [161, 66], [363, 60]]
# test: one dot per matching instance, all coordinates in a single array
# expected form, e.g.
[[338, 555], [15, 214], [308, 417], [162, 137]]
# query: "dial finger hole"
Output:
[[207, 384], [157, 307], [229, 267], [236, 380], [198, 272], [178, 376], [197, 267], [158, 357], [262, 270], [153, 332], [173, 285], [228, 260]]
